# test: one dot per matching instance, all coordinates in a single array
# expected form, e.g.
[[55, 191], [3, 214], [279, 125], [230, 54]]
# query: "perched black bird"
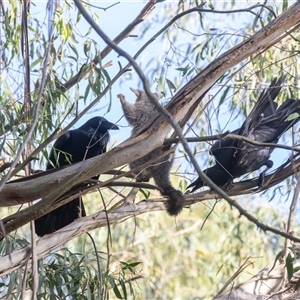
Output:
[[74, 146], [266, 123]]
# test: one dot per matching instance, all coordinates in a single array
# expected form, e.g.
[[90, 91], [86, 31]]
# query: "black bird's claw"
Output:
[[187, 192], [261, 178], [229, 185]]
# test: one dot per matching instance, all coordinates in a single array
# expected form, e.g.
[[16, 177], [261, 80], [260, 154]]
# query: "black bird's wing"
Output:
[[228, 152], [248, 158], [284, 118], [216, 173], [224, 150], [265, 104], [58, 155]]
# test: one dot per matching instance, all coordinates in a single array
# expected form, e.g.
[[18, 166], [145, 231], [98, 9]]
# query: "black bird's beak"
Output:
[[108, 125], [114, 127]]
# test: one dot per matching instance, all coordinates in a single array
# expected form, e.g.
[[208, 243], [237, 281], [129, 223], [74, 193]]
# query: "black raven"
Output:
[[266, 123], [74, 146]]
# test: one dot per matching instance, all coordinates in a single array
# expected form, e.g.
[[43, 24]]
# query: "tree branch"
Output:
[[227, 135], [100, 219]]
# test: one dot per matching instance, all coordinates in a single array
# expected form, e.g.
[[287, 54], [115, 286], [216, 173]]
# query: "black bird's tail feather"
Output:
[[60, 217], [265, 105], [286, 116]]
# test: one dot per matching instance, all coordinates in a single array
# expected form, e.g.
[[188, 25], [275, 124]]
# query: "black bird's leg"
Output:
[[261, 179], [229, 185]]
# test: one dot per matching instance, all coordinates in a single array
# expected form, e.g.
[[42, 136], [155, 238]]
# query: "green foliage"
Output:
[[204, 247], [65, 273]]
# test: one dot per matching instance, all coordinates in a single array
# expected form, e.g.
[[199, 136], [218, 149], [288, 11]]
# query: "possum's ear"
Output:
[[159, 95], [136, 92]]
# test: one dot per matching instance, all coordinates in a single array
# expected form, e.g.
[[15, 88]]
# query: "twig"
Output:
[[35, 274], [255, 143], [131, 196], [211, 209], [24, 279], [227, 135], [262, 226], [98, 263], [241, 269], [293, 205], [289, 225], [103, 8], [8, 164]]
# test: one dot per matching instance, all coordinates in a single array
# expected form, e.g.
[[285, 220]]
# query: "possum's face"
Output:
[[141, 96]]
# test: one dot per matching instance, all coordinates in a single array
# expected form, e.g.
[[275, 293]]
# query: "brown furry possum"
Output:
[[138, 115]]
